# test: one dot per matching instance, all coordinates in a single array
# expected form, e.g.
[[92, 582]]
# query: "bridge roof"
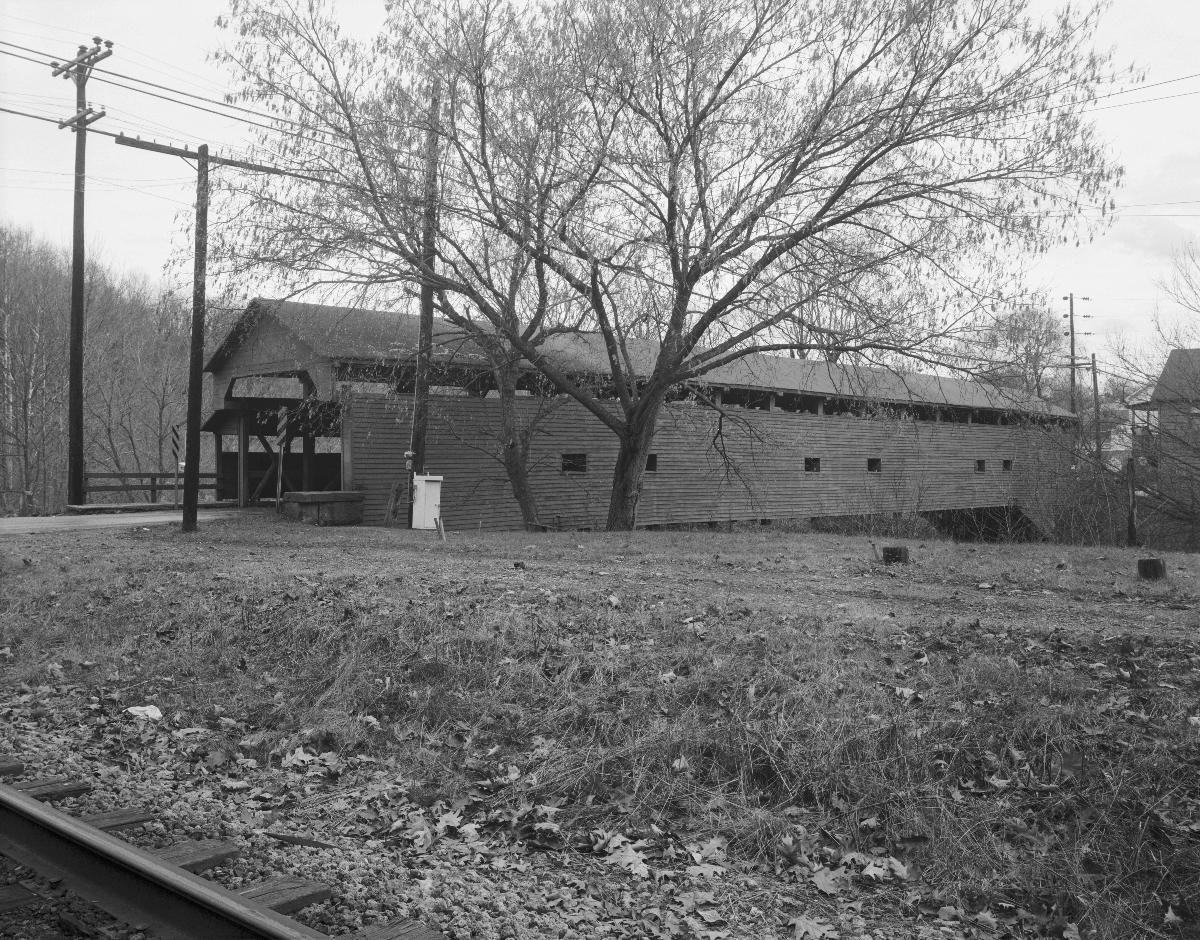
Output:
[[380, 336]]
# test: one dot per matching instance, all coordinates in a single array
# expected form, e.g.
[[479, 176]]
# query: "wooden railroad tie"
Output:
[[49, 789], [119, 819], [13, 897], [280, 896], [197, 855], [286, 895]]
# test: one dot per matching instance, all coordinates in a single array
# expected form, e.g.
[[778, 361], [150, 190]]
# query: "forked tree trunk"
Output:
[[515, 438], [516, 466], [630, 469]]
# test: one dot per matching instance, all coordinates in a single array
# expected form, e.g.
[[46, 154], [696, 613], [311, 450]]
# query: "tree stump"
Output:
[[1152, 569], [895, 555]]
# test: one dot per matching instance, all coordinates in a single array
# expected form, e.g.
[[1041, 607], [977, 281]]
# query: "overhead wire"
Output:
[[274, 128], [277, 119]]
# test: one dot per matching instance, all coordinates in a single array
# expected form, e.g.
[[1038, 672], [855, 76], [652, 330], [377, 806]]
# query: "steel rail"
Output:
[[129, 883]]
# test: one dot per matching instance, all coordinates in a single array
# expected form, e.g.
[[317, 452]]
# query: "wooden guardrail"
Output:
[[156, 481]]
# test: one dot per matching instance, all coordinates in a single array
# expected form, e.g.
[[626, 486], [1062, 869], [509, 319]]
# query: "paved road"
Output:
[[31, 525]]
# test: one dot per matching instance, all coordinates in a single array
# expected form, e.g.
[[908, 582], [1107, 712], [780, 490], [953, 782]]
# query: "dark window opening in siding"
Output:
[[751, 398], [812, 464], [798, 404], [652, 463], [1006, 466], [981, 466], [574, 463], [874, 465]]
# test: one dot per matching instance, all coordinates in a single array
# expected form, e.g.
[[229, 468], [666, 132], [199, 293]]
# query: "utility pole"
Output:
[[1096, 408], [1131, 474], [1070, 316], [420, 423], [191, 470], [191, 442], [78, 70]]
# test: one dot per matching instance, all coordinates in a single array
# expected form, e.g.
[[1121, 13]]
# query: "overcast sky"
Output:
[[135, 198]]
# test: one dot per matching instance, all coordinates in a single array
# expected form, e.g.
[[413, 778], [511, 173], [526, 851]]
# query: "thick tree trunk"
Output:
[[514, 443], [516, 465], [630, 468]]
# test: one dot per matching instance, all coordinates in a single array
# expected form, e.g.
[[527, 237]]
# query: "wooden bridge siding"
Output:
[[375, 435], [273, 350], [926, 466], [475, 490]]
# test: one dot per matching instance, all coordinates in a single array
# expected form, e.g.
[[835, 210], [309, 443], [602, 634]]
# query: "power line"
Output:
[[315, 179], [37, 117], [277, 130], [155, 64], [1130, 104], [177, 91]]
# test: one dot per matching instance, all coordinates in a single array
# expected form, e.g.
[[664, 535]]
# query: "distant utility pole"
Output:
[[191, 458], [420, 423], [1070, 316], [78, 70], [1096, 406]]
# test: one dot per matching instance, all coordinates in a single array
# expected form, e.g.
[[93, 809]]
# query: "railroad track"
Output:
[[161, 892]]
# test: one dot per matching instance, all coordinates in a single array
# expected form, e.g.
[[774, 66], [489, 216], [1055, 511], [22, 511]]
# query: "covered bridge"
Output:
[[791, 437]]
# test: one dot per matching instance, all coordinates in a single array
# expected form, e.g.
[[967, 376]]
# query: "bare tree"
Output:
[[1184, 285], [1023, 347], [33, 294], [695, 180], [134, 366], [356, 124]]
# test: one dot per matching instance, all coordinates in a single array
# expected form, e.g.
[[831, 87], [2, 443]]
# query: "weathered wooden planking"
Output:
[[286, 895], [14, 897], [401, 930], [197, 855], [119, 819], [49, 789], [924, 465]]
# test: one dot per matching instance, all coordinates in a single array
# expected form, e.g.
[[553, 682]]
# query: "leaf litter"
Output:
[[890, 756]]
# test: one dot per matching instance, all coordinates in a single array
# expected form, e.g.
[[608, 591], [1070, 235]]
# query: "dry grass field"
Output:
[[661, 734]]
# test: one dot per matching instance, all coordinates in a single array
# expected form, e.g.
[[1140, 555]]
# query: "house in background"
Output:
[[766, 437], [1166, 451]]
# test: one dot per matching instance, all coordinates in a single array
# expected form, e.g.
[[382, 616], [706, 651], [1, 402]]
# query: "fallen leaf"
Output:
[[149, 712], [627, 857], [829, 881], [805, 928]]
